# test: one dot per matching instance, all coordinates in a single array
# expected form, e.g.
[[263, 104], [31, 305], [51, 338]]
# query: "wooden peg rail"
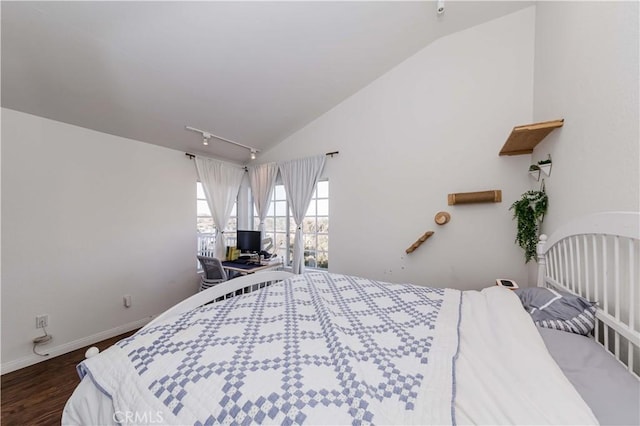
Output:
[[419, 241]]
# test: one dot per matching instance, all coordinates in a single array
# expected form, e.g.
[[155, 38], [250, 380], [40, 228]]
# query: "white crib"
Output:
[[598, 257]]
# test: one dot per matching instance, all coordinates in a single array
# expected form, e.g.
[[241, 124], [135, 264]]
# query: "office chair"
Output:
[[267, 245], [214, 273]]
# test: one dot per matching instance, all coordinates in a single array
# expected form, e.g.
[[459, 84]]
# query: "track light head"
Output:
[[205, 141], [253, 154]]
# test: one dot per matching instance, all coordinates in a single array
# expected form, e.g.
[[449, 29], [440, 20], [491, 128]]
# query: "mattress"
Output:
[[611, 392], [605, 384], [485, 383]]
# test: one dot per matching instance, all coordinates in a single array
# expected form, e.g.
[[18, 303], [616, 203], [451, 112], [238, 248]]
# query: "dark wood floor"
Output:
[[36, 395]]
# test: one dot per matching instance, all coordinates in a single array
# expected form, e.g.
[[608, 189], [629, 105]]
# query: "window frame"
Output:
[[279, 196], [315, 198]]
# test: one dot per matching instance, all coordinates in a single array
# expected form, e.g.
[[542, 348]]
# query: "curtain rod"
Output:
[[329, 154]]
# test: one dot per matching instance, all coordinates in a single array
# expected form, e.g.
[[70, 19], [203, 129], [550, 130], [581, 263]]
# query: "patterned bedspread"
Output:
[[317, 349]]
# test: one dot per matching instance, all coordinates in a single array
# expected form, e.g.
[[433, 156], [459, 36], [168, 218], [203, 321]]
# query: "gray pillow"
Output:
[[558, 310]]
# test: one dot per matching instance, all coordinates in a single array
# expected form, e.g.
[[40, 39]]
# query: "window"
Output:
[[316, 228], [276, 224], [206, 228], [280, 226]]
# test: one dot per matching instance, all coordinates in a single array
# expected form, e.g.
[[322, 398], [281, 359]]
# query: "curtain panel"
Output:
[[299, 178], [262, 179], [220, 182]]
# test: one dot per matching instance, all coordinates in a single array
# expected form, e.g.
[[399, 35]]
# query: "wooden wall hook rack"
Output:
[[419, 241]]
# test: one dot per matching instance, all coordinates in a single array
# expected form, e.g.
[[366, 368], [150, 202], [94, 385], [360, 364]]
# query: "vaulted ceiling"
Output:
[[252, 72]]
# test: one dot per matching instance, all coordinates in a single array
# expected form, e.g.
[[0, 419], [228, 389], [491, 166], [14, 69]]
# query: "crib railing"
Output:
[[598, 258]]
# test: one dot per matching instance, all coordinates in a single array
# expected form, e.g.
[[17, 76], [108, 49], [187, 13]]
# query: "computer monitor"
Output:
[[249, 241]]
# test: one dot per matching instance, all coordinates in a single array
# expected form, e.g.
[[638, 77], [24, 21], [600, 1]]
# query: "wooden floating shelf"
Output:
[[523, 139], [494, 196]]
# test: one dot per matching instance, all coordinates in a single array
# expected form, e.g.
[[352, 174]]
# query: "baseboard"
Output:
[[8, 367]]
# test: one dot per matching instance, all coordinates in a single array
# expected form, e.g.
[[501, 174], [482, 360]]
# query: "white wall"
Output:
[[586, 71], [87, 218], [431, 126]]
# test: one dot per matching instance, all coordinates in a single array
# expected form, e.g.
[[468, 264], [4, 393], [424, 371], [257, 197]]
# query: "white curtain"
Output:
[[262, 178], [299, 178], [221, 182]]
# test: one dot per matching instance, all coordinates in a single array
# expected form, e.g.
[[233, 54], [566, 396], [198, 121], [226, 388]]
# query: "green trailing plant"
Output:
[[547, 161], [533, 168], [529, 211]]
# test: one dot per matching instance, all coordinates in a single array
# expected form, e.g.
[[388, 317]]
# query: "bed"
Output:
[[323, 348]]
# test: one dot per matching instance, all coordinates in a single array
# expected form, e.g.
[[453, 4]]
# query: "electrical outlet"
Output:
[[42, 321]]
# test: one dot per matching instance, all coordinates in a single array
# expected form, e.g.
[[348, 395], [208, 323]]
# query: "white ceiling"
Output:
[[253, 72]]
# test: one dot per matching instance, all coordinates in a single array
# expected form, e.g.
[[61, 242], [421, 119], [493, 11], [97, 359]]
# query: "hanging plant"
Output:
[[529, 211], [547, 161]]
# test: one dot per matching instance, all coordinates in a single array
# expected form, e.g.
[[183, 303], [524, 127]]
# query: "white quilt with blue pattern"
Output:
[[316, 349]]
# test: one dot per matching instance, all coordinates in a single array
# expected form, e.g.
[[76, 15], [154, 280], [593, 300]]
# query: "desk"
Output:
[[231, 266], [243, 269]]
